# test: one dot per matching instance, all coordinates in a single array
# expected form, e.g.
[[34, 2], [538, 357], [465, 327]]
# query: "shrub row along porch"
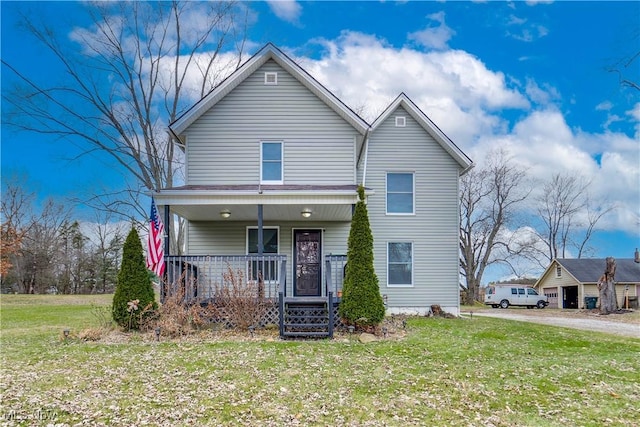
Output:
[[261, 281]]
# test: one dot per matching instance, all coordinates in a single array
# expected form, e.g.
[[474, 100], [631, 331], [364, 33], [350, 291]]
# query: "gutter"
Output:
[[176, 139]]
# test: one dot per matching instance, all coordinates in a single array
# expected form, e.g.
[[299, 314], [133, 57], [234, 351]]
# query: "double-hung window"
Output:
[[400, 264], [266, 267], [271, 162], [400, 193]]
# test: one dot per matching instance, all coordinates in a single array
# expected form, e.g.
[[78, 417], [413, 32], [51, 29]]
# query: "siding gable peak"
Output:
[[268, 52], [431, 128]]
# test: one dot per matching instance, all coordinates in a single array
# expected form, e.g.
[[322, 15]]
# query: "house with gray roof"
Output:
[[273, 163], [567, 282]]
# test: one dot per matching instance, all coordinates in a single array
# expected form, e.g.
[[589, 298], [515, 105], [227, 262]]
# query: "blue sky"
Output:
[[527, 76]]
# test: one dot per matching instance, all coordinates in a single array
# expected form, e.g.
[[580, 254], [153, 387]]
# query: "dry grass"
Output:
[[480, 372]]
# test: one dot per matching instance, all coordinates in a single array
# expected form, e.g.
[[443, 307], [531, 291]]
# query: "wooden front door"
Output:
[[308, 268]]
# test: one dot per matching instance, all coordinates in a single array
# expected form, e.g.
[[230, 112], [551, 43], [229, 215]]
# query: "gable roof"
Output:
[[589, 270], [418, 115], [269, 51]]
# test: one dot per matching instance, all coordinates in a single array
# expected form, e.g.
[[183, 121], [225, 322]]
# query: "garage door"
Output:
[[552, 295]]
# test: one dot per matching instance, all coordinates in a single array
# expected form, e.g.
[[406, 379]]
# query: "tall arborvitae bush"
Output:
[[362, 303], [134, 292]]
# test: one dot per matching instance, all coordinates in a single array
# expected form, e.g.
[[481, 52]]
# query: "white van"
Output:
[[506, 295]]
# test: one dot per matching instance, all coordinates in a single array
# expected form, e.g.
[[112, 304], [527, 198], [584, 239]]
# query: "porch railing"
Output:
[[334, 273], [201, 277]]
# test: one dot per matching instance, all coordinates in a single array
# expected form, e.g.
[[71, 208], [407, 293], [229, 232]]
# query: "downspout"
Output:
[[365, 147]]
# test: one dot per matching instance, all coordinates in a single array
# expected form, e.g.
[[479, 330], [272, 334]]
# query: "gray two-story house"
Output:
[[273, 163]]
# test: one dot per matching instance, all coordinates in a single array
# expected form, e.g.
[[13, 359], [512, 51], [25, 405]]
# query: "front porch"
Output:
[[212, 278], [286, 236]]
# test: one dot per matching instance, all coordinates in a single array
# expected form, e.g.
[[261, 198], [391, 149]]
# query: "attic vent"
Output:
[[401, 121], [271, 78], [558, 271]]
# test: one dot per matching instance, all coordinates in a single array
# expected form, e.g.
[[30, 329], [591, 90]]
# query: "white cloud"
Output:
[[635, 115], [543, 95], [523, 30], [435, 37], [604, 106], [451, 87], [536, 2], [287, 10], [544, 144], [635, 112]]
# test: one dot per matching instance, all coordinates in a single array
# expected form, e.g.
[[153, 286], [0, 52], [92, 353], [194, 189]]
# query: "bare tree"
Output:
[[568, 215], [489, 198], [627, 69], [131, 74], [38, 266], [15, 207], [108, 238]]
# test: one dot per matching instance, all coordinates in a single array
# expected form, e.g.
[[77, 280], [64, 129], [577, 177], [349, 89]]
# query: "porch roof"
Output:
[[280, 202]]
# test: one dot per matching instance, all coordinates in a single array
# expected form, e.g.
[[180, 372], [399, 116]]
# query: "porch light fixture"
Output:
[[225, 213], [306, 213]]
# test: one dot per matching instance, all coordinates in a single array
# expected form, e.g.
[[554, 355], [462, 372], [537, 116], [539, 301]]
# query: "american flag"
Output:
[[155, 252]]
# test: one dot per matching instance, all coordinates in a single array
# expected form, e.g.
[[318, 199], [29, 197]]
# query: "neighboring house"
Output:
[[568, 281], [272, 149]]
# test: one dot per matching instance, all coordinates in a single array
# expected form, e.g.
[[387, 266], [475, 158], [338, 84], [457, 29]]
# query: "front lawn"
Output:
[[471, 372]]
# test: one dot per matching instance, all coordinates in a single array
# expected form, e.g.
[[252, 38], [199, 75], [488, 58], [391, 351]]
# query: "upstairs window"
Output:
[[271, 162], [400, 193]]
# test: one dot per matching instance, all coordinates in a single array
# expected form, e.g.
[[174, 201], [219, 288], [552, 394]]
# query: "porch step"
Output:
[[306, 325], [306, 318], [319, 334], [311, 319]]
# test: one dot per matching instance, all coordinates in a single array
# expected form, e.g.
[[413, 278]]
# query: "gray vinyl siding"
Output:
[[223, 145], [434, 227], [229, 238]]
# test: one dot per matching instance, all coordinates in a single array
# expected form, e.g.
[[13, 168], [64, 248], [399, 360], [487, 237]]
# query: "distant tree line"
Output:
[[46, 251]]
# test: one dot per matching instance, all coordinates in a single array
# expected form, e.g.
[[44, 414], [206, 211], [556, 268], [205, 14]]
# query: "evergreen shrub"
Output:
[[134, 294], [362, 304]]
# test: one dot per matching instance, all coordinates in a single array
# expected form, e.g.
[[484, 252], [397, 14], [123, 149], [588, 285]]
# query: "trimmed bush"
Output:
[[362, 303], [134, 294]]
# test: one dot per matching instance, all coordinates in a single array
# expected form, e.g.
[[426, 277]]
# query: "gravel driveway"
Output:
[[574, 319]]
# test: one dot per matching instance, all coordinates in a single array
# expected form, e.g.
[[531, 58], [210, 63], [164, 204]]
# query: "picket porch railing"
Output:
[[201, 277]]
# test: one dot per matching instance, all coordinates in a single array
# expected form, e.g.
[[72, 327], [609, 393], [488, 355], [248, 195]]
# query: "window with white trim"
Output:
[[268, 268], [400, 194], [270, 78], [271, 162], [401, 121], [399, 263]]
